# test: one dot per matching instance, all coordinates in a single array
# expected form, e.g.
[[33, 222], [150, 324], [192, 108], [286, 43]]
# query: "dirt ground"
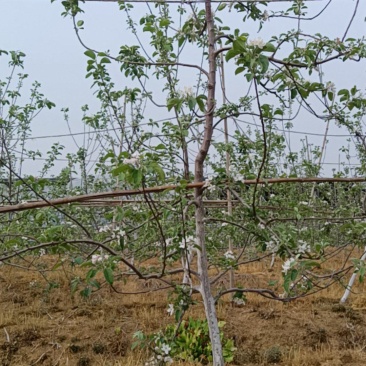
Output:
[[43, 324]]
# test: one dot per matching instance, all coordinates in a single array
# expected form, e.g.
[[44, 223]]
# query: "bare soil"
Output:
[[45, 325]]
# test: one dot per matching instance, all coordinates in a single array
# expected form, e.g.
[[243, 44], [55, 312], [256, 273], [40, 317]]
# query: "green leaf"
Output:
[[264, 63], [239, 70], [269, 47], [173, 102], [278, 112], [136, 176], [201, 102], [122, 242], [287, 281], [239, 45], [158, 170], [80, 23], [91, 273], [78, 260], [86, 292], [90, 54], [191, 102], [231, 53], [95, 284], [164, 23], [105, 60], [222, 6], [74, 284], [249, 77], [294, 274], [108, 275]]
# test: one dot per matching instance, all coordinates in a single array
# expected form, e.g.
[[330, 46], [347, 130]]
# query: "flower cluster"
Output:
[[257, 42], [272, 246], [229, 255], [134, 160], [105, 229], [99, 258], [238, 301], [170, 309], [162, 355], [186, 92], [330, 87], [33, 284], [302, 247], [188, 243], [234, 174], [288, 265], [208, 185], [116, 233]]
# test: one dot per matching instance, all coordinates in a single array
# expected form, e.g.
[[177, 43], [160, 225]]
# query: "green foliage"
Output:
[[189, 342], [129, 148]]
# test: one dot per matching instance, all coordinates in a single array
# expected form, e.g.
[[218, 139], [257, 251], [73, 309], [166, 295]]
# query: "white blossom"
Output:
[[118, 233], [105, 228], [257, 42], [265, 15], [170, 309], [131, 161], [304, 203], [99, 258], [288, 265], [188, 243], [272, 245], [168, 359], [229, 255], [224, 224], [330, 87], [182, 303], [238, 301], [302, 247], [186, 92], [261, 226], [42, 252], [165, 348], [235, 175], [208, 185]]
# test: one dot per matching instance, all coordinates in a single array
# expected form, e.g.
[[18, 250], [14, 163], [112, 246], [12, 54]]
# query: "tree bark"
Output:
[[205, 289]]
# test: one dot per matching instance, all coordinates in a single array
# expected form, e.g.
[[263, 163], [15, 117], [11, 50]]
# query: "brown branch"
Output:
[[157, 189]]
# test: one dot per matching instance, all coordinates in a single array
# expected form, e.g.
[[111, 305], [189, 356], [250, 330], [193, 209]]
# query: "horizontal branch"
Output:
[[134, 192], [88, 197]]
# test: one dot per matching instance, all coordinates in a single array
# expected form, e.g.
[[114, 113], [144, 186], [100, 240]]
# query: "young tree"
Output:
[[269, 80]]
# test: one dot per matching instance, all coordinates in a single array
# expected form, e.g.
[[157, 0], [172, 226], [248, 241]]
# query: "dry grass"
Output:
[[50, 327]]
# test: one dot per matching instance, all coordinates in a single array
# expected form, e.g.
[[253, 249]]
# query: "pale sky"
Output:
[[56, 59]]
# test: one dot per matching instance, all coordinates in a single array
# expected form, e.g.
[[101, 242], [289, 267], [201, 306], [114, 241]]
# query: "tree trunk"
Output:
[[205, 290]]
